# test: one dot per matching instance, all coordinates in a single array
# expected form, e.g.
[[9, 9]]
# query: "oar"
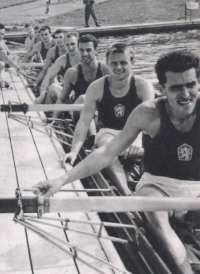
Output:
[[13, 43], [101, 204], [32, 65], [39, 107]]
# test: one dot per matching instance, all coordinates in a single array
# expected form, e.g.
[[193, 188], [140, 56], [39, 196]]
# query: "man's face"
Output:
[[71, 45], [119, 65], [30, 30], [181, 89], [59, 37], [2, 34], [45, 35], [37, 34], [87, 52]]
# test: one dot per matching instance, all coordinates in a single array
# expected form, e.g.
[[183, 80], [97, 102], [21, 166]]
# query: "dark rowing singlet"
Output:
[[68, 65], [81, 84], [113, 112], [56, 54], [44, 50], [173, 153]]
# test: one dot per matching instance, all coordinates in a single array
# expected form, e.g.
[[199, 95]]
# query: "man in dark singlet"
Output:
[[32, 39], [52, 55], [171, 126], [50, 92], [43, 46], [6, 59], [114, 96], [78, 78]]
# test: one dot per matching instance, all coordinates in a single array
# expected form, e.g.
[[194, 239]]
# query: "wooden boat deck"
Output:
[[28, 156]]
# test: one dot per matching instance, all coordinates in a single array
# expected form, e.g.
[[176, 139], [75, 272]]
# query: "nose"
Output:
[[185, 91], [119, 66]]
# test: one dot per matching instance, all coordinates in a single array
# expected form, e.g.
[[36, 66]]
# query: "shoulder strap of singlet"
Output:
[[68, 64], [99, 70]]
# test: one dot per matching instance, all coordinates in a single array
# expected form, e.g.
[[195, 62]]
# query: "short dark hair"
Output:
[[72, 34], [2, 26], [27, 25], [176, 61], [45, 28], [60, 31], [119, 48], [88, 38], [36, 28]]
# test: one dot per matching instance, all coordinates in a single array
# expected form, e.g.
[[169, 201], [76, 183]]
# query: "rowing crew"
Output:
[[171, 132], [170, 127]]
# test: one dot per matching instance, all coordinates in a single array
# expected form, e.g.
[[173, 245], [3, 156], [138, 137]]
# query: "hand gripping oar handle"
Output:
[[14, 108]]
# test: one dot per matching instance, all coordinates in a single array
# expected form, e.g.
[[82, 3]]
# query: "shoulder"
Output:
[[51, 51], [146, 117], [145, 88], [38, 45], [104, 68], [71, 75], [61, 60], [96, 88]]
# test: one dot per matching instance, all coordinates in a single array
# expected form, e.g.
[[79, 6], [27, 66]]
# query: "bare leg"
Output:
[[115, 169], [165, 235]]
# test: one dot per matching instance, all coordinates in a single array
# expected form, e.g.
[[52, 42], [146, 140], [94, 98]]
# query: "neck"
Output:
[[92, 65], [182, 122], [119, 84]]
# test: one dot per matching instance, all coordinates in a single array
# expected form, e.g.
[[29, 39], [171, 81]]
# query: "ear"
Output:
[[161, 88]]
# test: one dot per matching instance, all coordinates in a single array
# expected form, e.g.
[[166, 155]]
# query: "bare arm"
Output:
[[94, 92], [69, 78], [36, 48], [52, 73], [142, 118], [48, 62]]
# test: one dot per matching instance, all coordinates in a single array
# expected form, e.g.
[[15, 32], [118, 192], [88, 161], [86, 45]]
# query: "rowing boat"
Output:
[[133, 240], [29, 156]]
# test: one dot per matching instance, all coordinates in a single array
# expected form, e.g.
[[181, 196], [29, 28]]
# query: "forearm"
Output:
[[41, 77], [45, 84], [80, 135], [95, 162]]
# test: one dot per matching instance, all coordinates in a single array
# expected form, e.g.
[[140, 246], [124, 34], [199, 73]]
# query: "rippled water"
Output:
[[148, 47]]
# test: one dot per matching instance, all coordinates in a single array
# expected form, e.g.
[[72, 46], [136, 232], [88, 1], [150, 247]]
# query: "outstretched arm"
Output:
[[51, 74], [36, 48], [94, 92], [48, 62], [100, 158]]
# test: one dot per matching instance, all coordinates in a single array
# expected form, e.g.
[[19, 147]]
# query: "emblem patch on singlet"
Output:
[[185, 152], [119, 110]]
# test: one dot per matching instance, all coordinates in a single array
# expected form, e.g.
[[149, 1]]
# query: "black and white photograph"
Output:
[[99, 136]]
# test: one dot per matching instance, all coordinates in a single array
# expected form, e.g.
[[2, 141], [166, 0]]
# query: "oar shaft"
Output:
[[32, 65], [101, 204], [54, 107]]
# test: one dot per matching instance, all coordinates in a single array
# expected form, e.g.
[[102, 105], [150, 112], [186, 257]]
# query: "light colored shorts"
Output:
[[169, 186], [111, 131]]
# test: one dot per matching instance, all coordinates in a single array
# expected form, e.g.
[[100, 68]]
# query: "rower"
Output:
[[114, 96], [171, 126], [52, 55], [30, 41], [50, 92], [43, 46], [79, 77], [6, 59]]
